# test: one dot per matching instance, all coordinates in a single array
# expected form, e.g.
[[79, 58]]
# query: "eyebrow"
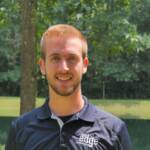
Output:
[[54, 54], [58, 54]]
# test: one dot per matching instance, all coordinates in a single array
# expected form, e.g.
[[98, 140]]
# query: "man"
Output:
[[67, 121]]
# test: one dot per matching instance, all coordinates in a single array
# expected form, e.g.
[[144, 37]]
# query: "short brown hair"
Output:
[[63, 30]]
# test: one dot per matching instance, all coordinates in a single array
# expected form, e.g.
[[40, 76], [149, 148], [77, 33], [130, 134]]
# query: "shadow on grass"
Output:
[[139, 131], [4, 128]]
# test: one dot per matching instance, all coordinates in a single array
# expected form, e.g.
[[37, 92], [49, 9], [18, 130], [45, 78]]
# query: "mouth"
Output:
[[64, 77]]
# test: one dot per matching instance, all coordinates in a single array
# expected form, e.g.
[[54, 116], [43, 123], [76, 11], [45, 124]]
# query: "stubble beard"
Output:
[[68, 92]]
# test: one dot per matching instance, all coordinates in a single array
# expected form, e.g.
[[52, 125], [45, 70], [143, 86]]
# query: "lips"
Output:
[[64, 77]]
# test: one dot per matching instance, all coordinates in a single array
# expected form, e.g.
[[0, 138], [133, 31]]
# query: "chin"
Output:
[[65, 91]]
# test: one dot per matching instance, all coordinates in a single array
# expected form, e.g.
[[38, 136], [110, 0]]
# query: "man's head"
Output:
[[64, 59], [63, 31]]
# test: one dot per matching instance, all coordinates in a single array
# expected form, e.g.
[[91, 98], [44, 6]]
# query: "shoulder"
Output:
[[110, 126], [107, 119], [26, 118]]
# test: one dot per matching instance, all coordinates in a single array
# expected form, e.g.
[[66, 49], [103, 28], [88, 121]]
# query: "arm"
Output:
[[124, 138]]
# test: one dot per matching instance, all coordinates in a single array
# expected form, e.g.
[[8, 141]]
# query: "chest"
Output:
[[75, 135]]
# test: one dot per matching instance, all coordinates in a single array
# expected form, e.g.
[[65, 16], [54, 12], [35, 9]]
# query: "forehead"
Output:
[[63, 45]]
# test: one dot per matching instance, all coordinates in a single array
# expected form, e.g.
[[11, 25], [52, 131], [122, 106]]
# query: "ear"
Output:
[[85, 64], [42, 66]]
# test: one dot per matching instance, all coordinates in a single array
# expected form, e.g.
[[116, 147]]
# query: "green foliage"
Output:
[[119, 71], [139, 16], [10, 41], [117, 32]]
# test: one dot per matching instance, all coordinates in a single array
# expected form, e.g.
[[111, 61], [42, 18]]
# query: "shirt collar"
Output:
[[87, 113], [45, 112]]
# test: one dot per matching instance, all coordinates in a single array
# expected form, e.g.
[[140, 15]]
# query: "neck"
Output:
[[66, 105]]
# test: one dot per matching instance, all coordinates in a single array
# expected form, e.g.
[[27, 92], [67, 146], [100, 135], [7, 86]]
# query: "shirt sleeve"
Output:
[[10, 143], [125, 138]]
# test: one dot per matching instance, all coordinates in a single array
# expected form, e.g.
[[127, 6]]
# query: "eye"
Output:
[[72, 59], [54, 59]]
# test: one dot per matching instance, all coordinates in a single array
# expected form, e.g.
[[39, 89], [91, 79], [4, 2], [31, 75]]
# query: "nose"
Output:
[[63, 66]]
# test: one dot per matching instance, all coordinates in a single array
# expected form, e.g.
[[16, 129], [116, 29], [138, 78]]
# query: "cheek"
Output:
[[49, 69], [79, 69], [49, 65]]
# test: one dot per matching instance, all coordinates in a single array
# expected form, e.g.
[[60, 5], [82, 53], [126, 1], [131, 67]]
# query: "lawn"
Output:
[[136, 114], [127, 109]]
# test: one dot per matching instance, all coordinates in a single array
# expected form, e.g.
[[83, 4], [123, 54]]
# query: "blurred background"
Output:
[[118, 77]]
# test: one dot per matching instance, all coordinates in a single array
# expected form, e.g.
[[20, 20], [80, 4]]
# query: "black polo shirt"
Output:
[[89, 129]]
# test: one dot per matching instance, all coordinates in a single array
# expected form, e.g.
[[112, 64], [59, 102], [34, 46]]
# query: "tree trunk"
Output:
[[28, 55], [103, 96]]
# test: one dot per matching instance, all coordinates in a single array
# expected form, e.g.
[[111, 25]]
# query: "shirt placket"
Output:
[[62, 144]]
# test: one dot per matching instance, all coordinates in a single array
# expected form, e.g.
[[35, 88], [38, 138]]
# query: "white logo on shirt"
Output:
[[87, 140]]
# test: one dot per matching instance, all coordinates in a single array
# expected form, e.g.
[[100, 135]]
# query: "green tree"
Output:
[[9, 48], [117, 32]]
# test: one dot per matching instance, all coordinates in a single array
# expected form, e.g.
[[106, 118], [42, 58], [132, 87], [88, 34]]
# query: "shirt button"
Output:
[[63, 147], [63, 133]]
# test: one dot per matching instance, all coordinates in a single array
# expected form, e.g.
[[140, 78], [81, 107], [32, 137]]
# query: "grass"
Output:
[[139, 131], [4, 128], [127, 109], [10, 106]]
